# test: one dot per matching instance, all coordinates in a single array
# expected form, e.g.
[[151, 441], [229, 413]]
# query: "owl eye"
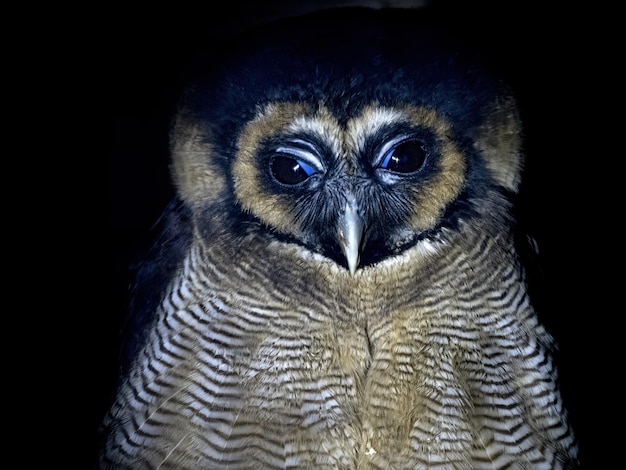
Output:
[[288, 170], [406, 157]]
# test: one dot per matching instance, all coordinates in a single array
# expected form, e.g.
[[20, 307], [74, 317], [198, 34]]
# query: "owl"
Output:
[[337, 283]]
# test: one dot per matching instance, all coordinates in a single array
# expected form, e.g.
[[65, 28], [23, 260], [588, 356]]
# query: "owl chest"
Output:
[[290, 372]]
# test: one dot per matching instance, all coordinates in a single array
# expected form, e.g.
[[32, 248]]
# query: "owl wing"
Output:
[[168, 242]]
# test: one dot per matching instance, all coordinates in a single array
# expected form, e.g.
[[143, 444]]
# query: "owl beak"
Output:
[[350, 233]]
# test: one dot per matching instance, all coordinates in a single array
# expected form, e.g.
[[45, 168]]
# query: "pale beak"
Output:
[[350, 230]]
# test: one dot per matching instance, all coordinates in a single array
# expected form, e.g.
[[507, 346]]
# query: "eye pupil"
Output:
[[287, 170], [406, 157]]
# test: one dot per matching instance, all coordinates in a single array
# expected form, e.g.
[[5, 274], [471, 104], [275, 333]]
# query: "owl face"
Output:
[[356, 192], [353, 144]]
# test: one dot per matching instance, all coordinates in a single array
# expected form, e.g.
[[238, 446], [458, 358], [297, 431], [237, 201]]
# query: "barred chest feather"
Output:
[[415, 370]]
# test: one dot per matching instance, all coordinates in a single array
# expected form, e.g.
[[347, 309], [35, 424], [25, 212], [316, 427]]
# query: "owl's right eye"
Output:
[[290, 171]]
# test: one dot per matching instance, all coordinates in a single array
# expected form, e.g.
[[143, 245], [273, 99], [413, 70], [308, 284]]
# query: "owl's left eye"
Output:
[[290, 171], [405, 157]]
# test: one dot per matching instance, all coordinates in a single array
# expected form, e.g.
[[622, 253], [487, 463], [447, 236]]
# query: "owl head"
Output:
[[355, 133]]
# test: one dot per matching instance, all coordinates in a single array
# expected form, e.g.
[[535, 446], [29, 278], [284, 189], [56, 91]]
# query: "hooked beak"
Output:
[[350, 232]]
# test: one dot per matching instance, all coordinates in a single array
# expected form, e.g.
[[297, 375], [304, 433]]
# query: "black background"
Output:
[[549, 55]]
